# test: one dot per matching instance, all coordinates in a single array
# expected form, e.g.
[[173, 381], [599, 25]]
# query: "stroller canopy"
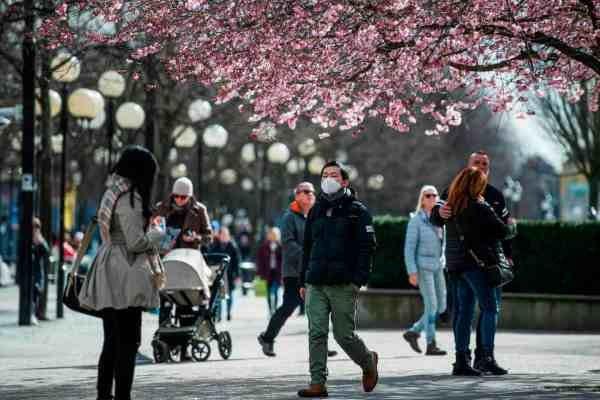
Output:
[[187, 270]]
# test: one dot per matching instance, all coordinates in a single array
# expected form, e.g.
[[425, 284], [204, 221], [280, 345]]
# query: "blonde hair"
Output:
[[276, 232], [426, 188]]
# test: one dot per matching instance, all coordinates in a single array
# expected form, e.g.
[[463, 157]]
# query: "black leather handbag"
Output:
[[497, 274], [75, 280]]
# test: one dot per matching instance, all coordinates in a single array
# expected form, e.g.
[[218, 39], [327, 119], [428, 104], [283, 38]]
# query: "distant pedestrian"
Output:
[[223, 243], [40, 261], [423, 258], [475, 225], [339, 242], [269, 260], [122, 281]]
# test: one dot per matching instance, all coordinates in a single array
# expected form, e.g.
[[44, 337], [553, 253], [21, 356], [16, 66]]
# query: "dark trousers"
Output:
[[291, 300], [122, 337], [471, 286]]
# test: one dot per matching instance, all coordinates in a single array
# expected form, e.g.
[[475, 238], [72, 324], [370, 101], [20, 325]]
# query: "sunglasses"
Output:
[[430, 195], [307, 192], [180, 196]]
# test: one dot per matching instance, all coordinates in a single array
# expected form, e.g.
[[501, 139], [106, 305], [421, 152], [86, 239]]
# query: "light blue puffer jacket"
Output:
[[423, 248]]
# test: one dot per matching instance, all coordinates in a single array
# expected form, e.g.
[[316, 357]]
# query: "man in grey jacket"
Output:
[[292, 239]]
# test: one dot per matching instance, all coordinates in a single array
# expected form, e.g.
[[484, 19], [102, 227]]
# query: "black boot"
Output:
[[433, 350], [489, 366], [268, 347], [412, 339], [462, 366]]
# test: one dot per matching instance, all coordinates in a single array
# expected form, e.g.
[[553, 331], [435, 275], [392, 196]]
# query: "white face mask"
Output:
[[330, 185]]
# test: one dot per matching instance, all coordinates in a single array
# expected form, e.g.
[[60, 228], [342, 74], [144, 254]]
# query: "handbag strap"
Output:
[[463, 240]]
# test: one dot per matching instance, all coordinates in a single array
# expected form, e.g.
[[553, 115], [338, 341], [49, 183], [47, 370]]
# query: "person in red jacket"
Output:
[[269, 260]]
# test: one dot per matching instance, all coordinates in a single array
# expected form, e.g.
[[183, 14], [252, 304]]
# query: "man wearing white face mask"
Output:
[[339, 241]]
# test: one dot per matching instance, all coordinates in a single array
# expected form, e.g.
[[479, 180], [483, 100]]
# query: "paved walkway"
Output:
[[57, 360]]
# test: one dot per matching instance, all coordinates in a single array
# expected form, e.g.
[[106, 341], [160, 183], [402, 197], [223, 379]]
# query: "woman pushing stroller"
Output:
[[187, 226]]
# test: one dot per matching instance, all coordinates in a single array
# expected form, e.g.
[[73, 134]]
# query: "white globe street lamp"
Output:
[[185, 136], [375, 182], [111, 84], [295, 165], [315, 165], [215, 136], [54, 100], [307, 147], [278, 153], [85, 103], [248, 153], [228, 176], [199, 110], [130, 116], [247, 184], [352, 172], [65, 68], [173, 155], [178, 171]]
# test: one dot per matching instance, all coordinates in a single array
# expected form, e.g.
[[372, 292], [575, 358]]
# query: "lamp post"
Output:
[[44, 176], [277, 153], [306, 149], [65, 69], [112, 85], [130, 116], [198, 112], [215, 136]]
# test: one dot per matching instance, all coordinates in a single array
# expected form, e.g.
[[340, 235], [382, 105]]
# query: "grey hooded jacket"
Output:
[[292, 239]]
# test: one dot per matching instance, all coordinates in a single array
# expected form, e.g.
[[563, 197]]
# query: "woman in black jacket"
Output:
[[475, 227]]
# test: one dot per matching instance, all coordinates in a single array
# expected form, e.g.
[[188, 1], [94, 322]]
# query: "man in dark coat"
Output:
[[338, 246]]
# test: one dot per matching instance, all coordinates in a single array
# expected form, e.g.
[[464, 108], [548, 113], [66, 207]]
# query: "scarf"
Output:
[[116, 187]]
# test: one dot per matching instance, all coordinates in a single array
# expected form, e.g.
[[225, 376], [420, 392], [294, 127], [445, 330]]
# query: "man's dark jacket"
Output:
[[455, 252], [339, 241]]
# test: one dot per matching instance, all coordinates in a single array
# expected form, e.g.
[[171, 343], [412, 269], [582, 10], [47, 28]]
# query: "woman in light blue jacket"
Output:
[[423, 256]]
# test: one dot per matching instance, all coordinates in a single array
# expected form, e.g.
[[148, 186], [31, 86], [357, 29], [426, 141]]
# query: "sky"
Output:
[[535, 141]]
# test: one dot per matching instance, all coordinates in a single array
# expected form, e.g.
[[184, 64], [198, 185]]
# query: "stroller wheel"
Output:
[[200, 350], [224, 340], [160, 351]]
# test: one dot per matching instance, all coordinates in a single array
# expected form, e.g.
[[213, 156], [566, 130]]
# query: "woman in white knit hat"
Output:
[[187, 226]]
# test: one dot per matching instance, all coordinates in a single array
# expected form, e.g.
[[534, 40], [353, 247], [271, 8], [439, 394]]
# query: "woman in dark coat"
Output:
[[474, 227], [268, 266]]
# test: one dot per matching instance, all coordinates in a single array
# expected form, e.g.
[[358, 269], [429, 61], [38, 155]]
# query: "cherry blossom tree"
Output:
[[340, 62]]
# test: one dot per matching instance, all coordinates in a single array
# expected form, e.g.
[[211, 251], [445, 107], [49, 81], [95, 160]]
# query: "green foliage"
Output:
[[550, 257]]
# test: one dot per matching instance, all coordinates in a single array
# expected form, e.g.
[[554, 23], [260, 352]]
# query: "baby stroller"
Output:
[[194, 284]]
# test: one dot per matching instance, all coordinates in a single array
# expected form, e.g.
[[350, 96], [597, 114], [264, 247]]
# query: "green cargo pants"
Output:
[[340, 302]]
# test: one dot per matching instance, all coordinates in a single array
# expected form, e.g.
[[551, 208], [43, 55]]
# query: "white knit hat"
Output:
[[183, 187]]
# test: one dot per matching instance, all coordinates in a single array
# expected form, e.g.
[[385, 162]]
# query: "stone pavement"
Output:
[[57, 360]]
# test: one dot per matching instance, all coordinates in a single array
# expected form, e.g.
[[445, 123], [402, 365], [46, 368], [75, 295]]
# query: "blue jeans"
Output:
[[432, 286], [273, 296], [469, 286]]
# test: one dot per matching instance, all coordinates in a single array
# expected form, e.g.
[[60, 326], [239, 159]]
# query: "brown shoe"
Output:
[[371, 376], [314, 390]]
